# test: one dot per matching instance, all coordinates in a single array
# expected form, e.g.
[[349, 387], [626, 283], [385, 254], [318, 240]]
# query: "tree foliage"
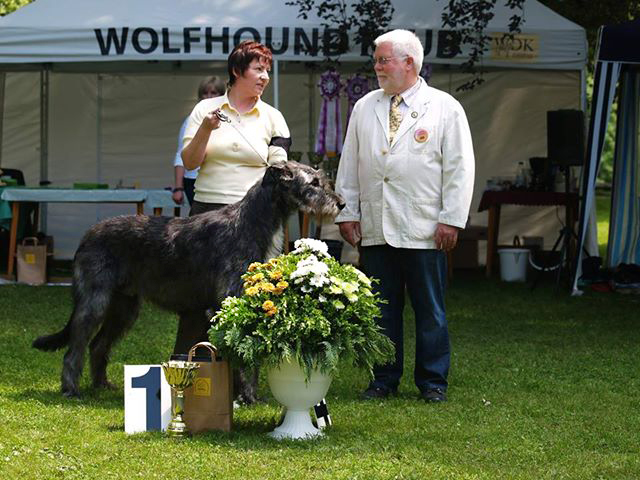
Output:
[[367, 18], [469, 19], [8, 6]]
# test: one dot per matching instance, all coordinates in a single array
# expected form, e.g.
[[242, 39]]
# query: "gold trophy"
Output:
[[180, 376]]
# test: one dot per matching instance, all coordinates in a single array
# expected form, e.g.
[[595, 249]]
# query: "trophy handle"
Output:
[[208, 345]]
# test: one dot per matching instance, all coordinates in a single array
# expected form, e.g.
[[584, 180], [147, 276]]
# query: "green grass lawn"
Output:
[[543, 386], [603, 212]]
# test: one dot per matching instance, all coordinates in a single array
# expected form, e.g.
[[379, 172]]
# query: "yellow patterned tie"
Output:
[[395, 116]]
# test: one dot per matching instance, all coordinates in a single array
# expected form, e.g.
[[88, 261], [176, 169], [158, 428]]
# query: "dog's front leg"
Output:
[[192, 328]]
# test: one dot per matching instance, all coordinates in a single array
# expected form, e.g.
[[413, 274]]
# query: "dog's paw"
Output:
[[106, 384], [70, 393], [246, 400]]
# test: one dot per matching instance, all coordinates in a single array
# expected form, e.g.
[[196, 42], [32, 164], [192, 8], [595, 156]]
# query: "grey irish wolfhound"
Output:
[[184, 265]]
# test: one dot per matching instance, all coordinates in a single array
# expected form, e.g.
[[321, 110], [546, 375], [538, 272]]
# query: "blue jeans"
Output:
[[423, 274]]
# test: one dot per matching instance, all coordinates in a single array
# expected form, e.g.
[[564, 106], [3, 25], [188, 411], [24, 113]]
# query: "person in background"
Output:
[[232, 156], [406, 174], [185, 180]]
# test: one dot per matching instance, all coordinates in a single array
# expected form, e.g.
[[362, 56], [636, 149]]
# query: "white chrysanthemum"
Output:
[[316, 246], [322, 298], [312, 270], [362, 277], [349, 287]]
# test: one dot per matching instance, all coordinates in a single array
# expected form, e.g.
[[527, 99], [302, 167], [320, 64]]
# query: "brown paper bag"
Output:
[[208, 403], [32, 262]]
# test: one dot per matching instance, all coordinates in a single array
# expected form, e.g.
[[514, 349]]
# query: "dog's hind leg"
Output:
[[121, 314], [88, 313], [192, 328]]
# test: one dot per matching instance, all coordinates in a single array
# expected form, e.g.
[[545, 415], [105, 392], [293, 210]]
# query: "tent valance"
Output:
[[124, 30]]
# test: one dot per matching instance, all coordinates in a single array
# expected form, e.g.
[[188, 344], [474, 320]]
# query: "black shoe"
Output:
[[434, 395], [376, 392]]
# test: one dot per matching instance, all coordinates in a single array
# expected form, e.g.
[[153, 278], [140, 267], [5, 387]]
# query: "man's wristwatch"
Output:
[[177, 189]]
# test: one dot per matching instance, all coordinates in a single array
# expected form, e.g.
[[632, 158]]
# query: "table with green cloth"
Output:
[[155, 199], [5, 213]]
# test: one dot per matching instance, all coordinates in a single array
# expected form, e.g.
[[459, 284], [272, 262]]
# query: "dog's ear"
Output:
[[278, 172]]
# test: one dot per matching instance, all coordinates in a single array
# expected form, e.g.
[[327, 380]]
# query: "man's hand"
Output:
[[350, 231], [446, 237]]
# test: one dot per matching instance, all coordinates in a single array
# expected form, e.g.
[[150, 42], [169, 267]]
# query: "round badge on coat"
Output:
[[421, 135]]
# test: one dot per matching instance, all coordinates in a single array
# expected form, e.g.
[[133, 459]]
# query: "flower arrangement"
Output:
[[303, 306]]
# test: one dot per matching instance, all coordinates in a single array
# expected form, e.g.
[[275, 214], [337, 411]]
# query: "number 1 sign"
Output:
[[147, 399]]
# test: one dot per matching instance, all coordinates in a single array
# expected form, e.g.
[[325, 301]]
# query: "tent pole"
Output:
[[98, 136], [44, 139], [276, 84], [99, 128], [312, 92], [583, 89], [2, 80]]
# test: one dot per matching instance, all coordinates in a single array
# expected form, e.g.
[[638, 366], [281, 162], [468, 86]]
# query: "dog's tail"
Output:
[[55, 341]]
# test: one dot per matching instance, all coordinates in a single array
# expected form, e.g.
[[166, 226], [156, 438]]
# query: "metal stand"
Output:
[[565, 237]]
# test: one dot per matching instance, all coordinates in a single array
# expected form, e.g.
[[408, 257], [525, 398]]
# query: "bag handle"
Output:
[[516, 241], [209, 346], [34, 240]]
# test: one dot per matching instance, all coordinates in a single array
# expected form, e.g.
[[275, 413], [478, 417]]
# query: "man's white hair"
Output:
[[406, 43]]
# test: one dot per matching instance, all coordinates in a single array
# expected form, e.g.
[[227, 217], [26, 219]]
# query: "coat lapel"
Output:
[[382, 112], [413, 114]]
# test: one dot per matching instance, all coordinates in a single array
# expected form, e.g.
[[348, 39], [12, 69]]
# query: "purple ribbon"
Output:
[[356, 88], [426, 71], [329, 134]]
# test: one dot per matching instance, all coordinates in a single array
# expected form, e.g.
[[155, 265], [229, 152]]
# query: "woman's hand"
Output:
[[211, 121], [177, 196]]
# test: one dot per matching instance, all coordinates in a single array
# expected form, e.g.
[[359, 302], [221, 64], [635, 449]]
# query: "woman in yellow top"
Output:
[[233, 155]]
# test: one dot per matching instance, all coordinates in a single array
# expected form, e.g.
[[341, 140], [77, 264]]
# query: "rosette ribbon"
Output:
[[329, 134], [356, 88]]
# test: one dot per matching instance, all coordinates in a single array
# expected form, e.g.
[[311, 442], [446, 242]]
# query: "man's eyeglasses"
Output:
[[385, 60]]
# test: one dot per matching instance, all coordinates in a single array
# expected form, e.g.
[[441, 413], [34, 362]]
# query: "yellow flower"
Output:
[[251, 291], [282, 284], [274, 261], [268, 305], [276, 275], [267, 287], [253, 266], [272, 312], [257, 277]]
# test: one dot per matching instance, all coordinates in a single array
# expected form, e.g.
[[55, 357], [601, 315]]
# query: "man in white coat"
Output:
[[406, 173]]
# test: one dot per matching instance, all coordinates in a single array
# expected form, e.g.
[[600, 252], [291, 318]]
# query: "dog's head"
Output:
[[304, 187]]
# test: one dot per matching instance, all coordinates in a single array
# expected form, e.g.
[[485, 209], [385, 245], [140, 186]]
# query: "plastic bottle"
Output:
[[521, 176]]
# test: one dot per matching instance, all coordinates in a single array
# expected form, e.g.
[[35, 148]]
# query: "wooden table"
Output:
[[493, 202], [156, 199]]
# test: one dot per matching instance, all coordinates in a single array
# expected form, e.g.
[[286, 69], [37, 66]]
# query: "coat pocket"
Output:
[[367, 219], [425, 213]]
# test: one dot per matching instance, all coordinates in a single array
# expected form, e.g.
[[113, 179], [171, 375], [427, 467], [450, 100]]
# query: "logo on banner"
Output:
[[514, 48]]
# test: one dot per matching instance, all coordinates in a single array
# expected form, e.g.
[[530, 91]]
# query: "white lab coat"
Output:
[[400, 192]]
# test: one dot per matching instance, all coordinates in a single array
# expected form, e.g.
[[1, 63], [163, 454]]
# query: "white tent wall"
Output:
[[135, 137]]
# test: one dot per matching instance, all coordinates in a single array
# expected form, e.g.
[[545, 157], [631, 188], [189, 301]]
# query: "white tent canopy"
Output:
[[110, 117], [205, 30]]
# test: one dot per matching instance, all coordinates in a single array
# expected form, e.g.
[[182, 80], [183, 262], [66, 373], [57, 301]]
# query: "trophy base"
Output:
[[178, 430]]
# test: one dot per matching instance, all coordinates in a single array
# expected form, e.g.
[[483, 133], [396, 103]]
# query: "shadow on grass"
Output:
[[105, 399]]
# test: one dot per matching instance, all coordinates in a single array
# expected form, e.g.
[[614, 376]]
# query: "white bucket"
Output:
[[513, 264]]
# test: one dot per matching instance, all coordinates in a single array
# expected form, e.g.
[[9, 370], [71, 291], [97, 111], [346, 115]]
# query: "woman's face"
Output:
[[255, 78]]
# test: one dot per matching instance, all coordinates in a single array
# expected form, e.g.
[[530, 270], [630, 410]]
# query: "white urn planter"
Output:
[[288, 386]]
